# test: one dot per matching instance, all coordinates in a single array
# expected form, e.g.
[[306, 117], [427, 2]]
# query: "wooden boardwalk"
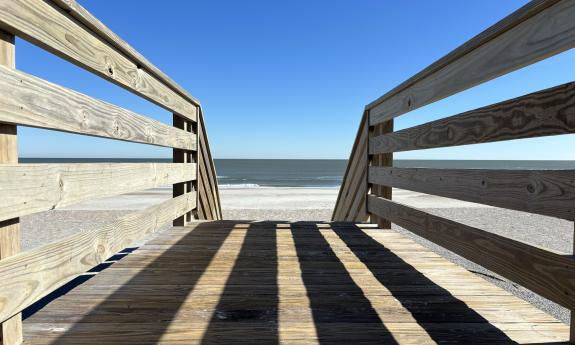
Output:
[[265, 282], [292, 283]]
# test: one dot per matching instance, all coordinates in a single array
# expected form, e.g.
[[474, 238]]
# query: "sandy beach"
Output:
[[290, 204]]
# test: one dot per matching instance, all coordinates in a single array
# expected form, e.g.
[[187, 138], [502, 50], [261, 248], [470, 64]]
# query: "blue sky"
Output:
[[289, 79]]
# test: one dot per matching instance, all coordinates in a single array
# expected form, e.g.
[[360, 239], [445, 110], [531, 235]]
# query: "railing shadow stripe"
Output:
[[447, 309], [150, 325], [331, 308], [248, 307]]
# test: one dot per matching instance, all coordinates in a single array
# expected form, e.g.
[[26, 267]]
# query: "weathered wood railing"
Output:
[[538, 30], [69, 31]]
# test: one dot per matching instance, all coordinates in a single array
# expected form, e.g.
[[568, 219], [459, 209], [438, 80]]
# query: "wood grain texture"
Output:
[[546, 33], [8, 144], [572, 321], [208, 193], [29, 188], [7, 50], [209, 206], [527, 11], [27, 277], [380, 160], [193, 157], [548, 274], [299, 283], [354, 204], [546, 192], [350, 204], [51, 28], [10, 236], [543, 113], [74, 9], [33, 102], [12, 333], [180, 156]]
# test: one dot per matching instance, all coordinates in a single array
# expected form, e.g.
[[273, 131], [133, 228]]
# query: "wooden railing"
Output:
[[538, 30], [66, 29]]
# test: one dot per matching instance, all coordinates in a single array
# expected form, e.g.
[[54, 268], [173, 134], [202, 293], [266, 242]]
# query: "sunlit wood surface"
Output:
[[231, 282]]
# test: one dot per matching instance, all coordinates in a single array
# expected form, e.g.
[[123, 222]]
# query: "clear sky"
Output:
[[289, 79]]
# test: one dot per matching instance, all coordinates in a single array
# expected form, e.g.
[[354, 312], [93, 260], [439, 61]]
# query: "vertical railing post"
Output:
[[182, 156], [572, 321], [193, 185], [381, 160], [11, 329]]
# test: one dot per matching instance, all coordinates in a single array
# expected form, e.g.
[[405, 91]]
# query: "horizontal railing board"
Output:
[[548, 274], [29, 276], [208, 188], [29, 188], [543, 34], [527, 11], [74, 9], [51, 28], [30, 101], [543, 113], [546, 192]]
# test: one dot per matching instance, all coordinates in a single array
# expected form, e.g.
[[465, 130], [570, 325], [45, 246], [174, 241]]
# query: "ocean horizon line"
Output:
[[299, 159], [313, 173]]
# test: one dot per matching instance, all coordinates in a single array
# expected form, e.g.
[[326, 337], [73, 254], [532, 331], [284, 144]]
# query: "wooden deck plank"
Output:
[[304, 283]]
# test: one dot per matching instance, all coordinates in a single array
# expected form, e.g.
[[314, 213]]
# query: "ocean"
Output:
[[308, 173]]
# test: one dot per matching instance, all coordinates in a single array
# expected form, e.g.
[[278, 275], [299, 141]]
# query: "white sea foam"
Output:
[[239, 185], [334, 178]]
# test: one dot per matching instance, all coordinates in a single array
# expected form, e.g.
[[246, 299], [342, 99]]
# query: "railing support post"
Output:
[[572, 321], [183, 156], [193, 185], [11, 329], [381, 160]]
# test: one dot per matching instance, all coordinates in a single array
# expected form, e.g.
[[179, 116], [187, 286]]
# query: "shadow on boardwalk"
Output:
[[442, 316], [151, 305], [247, 312], [141, 309]]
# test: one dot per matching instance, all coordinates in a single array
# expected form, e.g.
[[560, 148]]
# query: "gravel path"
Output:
[[46, 227], [275, 214]]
